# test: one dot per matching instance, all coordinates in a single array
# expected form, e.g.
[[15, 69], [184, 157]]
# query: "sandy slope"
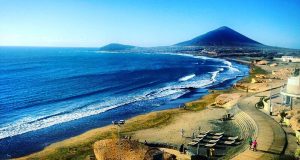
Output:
[[189, 122]]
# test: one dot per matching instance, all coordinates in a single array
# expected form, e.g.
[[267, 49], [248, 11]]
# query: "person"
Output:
[[211, 152], [207, 152], [254, 145], [181, 149], [182, 132], [250, 142]]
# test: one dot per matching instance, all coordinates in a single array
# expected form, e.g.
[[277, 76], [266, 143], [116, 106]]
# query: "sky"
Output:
[[94, 23]]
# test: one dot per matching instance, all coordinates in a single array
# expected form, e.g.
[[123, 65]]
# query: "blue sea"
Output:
[[50, 94]]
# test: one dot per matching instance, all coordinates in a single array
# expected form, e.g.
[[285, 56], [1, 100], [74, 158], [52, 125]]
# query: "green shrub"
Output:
[[297, 153]]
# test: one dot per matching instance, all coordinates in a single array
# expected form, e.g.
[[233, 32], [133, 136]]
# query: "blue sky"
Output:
[[93, 23]]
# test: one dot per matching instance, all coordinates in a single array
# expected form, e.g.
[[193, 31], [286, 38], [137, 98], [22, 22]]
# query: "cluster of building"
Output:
[[290, 59]]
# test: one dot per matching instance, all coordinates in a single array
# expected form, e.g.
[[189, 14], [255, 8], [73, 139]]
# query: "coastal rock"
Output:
[[257, 80], [281, 73], [225, 98], [273, 64], [253, 80], [261, 76], [262, 62]]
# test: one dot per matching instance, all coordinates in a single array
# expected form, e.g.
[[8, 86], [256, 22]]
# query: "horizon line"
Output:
[[50, 46]]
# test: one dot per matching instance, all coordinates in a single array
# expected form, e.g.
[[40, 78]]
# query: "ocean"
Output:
[[50, 94]]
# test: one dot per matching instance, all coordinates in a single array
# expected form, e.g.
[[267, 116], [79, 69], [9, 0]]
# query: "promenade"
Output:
[[270, 136]]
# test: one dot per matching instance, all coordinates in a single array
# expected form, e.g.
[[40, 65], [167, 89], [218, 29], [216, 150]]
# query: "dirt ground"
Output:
[[189, 122], [115, 149], [125, 149]]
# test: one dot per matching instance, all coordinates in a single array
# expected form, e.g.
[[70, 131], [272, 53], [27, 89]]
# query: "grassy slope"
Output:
[[254, 71], [81, 146]]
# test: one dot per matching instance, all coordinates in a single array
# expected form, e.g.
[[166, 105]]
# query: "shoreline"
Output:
[[145, 121], [163, 122], [91, 136]]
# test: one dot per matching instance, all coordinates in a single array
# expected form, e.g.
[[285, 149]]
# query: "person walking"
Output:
[[250, 142], [211, 152], [182, 132], [254, 145]]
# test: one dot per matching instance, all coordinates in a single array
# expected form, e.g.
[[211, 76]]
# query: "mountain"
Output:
[[223, 36], [116, 47]]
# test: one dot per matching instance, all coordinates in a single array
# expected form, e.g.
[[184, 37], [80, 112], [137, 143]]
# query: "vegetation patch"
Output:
[[255, 70], [202, 103]]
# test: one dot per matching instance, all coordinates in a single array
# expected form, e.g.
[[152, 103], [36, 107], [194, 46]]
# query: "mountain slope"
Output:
[[223, 36]]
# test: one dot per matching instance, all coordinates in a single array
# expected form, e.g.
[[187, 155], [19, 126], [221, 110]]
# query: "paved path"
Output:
[[271, 138]]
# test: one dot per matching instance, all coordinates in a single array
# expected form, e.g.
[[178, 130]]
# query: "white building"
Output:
[[292, 89], [290, 59]]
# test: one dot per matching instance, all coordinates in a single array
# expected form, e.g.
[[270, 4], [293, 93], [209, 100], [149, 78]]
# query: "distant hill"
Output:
[[116, 47], [223, 36]]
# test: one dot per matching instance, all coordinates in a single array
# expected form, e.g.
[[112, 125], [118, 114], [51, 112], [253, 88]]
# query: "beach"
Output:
[[163, 126]]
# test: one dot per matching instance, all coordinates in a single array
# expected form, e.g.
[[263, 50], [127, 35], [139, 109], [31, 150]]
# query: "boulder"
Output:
[[262, 62], [273, 64]]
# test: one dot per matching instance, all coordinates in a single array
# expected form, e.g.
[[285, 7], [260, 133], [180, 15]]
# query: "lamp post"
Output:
[[119, 124], [291, 103]]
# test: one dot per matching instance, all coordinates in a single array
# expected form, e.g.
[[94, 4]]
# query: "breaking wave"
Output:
[[26, 125], [185, 78], [171, 90]]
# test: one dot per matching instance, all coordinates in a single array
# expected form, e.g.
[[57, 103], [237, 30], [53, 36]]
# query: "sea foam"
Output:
[[185, 78], [172, 89]]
